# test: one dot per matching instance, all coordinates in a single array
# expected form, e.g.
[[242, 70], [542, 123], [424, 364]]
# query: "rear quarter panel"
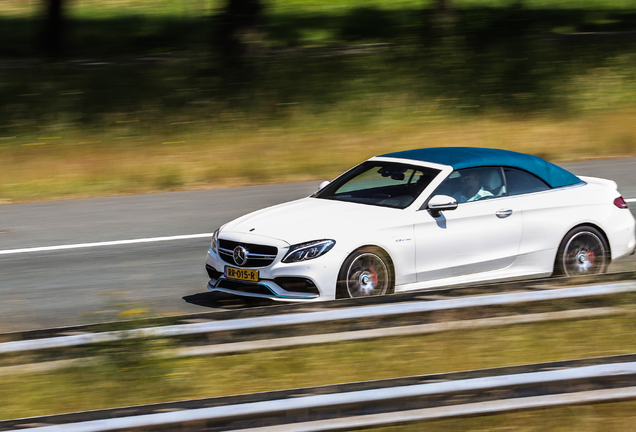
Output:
[[549, 215]]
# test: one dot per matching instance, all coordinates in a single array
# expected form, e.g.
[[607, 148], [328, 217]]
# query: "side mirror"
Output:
[[440, 203], [323, 184]]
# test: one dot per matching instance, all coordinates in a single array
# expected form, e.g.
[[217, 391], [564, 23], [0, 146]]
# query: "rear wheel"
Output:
[[583, 251], [366, 272]]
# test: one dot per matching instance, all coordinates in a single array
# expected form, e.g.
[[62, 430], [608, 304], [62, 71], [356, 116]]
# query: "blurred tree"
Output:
[[444, 20], [444, 6], [240, 26], [444, 13], [52, 32]]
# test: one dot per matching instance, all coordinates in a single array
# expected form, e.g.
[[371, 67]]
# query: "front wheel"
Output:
[[366, 272], [583, 251]]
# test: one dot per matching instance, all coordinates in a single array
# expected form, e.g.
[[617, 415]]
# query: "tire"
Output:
[[366, 272], [583, 251]]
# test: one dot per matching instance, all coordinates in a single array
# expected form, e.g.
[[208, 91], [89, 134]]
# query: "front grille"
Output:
[[257, 255]]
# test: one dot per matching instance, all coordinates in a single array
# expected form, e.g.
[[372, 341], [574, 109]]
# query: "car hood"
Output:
[[308, 219]]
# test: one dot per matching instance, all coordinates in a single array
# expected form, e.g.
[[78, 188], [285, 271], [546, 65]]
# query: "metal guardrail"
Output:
[[375, 403], [317, 317], [336, 336], [313, 318], [232, 308], [356, 405]]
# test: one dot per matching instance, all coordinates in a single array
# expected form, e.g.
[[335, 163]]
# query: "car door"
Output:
[[480, 235], [547, 214]]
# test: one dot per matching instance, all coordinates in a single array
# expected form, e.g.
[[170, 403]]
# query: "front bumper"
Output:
[[304, 281], [280, 289]]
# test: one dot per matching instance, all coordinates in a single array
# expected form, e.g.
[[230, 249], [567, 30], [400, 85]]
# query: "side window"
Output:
[[521, 182], [473, 184]]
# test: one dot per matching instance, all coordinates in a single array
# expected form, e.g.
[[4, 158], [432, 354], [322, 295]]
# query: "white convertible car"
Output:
[[425, 218]]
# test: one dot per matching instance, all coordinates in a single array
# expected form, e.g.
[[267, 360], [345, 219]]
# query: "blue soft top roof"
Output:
[[471, 157]]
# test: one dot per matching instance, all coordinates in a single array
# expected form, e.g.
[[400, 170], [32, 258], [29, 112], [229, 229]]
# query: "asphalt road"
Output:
[[47, 286]]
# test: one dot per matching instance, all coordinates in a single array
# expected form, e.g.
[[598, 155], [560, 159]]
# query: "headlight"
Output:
[[215, 241], [307, 251]]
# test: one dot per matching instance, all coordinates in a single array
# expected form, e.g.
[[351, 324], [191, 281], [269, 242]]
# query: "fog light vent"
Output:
[[299, 285]]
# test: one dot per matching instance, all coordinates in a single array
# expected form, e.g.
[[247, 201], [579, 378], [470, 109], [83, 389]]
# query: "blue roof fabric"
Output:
[[471, 157]]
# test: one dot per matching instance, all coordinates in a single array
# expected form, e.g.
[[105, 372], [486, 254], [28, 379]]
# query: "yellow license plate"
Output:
[[241, 274]]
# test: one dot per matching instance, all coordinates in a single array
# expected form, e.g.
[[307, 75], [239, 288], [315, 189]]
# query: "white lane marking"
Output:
[[124, 242], [107, 243]]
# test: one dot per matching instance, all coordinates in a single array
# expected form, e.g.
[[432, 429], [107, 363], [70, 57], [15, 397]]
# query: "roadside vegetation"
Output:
[[128, 377], [141, 100]]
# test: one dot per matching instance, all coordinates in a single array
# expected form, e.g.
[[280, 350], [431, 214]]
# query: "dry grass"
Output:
[[138, 159]]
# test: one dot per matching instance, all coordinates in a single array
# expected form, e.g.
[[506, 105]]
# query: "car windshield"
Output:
[[386, 184]]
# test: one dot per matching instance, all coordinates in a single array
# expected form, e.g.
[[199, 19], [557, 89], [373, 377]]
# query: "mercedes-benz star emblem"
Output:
[[240, 255]]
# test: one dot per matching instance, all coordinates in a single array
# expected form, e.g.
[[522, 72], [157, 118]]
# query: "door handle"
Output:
[[503, 213]]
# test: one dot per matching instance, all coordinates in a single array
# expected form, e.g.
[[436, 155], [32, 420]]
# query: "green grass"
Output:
[[127, 378]]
